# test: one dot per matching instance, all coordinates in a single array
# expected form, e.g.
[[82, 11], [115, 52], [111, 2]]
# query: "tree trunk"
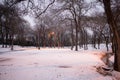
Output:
[[76, 36], [38, 41], [2, 40], [107, 43], [12, 42], [6, 40], [2, 36], [72, 37], [113, 27], [94, 41]]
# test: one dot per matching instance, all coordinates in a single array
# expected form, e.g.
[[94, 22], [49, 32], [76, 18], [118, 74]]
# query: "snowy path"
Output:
[[49, 64]]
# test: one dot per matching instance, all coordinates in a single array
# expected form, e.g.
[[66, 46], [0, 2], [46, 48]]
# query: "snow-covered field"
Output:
[[29, 63]]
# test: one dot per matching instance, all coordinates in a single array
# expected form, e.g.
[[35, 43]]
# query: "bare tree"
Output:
[[114, 28]]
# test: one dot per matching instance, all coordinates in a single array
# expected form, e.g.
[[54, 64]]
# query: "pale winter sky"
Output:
[[90, 12], [30, 20]]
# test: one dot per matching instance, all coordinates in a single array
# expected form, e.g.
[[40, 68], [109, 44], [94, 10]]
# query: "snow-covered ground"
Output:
[[29, 63]]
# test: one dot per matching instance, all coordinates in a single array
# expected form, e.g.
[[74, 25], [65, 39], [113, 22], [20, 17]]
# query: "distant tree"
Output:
[[10, 22]]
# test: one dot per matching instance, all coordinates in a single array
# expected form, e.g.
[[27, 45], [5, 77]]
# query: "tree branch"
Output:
[[45, 8]]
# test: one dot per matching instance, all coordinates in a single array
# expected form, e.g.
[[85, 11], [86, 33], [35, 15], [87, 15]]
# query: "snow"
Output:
[[116, 75], [29, 63], [112, 59]]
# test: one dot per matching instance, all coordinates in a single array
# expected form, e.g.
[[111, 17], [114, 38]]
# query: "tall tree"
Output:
[[113, 26]]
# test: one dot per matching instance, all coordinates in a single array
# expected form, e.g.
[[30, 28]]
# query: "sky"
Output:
[[97, 8], [30, 20]]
